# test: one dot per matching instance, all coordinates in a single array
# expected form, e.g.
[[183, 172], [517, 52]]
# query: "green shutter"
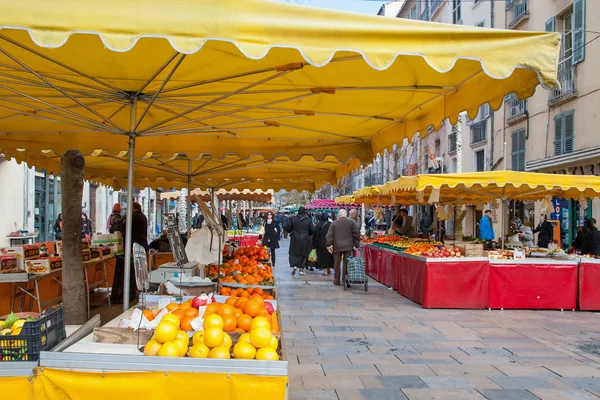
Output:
[[558, 129], [569, 130], [578, 31], [522, 144], [550, 24]]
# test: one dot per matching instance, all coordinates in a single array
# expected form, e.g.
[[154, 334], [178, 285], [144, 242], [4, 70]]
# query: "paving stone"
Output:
[[313, 395], [442, 394], [355, 369], [330, 328], [524, 370], [334, 351], [486, 351], [508, 394], [520, 382], [465, 370], [340, 382], [550, 394], [583, 383], [295, 382], [368, 358], [301, 351], [323, 359], [404, 369], [400, 382], [414, 360], [349, 394], [405, 350], [574, 370], [382, 394], [361, 328], [447, 382], [306, 370]]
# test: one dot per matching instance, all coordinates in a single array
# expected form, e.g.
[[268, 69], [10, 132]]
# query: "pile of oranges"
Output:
[[247, 293], [252, 252], [168, 339], [184, 313], [246, 262], [238, 313]]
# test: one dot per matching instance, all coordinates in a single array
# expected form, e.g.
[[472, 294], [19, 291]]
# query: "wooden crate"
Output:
[[468, 249]]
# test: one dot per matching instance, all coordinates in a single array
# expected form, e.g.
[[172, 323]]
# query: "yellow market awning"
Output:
[[483, 187], [243, 195], [245, 77]]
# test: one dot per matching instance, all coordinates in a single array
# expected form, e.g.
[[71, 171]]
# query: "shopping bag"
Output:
[[312, 257], [356, 269]]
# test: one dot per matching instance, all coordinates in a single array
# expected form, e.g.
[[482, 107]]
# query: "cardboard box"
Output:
[[87, 255], [25, 252], [9, 264], [110, 238], [43, 266], [85, 245]]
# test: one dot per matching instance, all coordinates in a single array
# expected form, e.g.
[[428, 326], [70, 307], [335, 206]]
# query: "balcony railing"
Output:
[[517, 11], [434, 5], [516, 109], [566, 77]]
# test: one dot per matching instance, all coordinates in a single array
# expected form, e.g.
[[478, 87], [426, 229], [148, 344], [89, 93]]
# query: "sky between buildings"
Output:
[[360, 6]]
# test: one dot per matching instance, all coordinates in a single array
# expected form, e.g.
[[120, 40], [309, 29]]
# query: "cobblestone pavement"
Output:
[[359, 345]]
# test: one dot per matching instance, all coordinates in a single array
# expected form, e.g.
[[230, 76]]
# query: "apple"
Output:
[[457, 254]]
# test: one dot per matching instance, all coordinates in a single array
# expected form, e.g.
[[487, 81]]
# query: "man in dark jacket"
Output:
[[343, 236], [300, 226], [546, 232]]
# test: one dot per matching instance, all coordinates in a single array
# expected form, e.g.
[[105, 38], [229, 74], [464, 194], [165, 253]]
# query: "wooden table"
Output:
[[99, 267]]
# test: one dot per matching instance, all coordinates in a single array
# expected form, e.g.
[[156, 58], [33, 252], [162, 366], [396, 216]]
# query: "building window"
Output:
[[452, 144], [518, 150], [478, 132], [435, 4], [413, 13], [456, 14], [480, 161], [516, 108], [438, 148], [564, 128], [516, 11]]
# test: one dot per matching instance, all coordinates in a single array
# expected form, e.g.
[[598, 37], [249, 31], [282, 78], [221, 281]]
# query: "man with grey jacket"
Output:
[[343, 236]]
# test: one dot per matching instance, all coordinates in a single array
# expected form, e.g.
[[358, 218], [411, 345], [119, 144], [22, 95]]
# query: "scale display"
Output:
[[177, 247]]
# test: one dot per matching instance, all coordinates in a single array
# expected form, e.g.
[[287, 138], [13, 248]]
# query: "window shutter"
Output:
[[521, 140], [569, 129], [515, 151], [551, 24], [578, 31], [558, 127]]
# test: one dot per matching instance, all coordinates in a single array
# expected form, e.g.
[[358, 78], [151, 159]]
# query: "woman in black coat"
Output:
[[546, 232], [324, 257], [591, 238], [271, 237], [301, 228]]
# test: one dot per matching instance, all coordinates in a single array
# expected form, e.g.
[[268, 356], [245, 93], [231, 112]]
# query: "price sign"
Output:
[[177, 247]]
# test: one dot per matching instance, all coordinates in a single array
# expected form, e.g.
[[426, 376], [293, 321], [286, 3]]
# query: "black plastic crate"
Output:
[[36, 336]]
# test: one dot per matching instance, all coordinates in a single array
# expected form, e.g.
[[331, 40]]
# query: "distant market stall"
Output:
[[482, 275]]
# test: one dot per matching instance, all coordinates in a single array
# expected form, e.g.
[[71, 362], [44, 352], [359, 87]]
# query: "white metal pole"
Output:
[[129, 218], [189, 204], [363, 228], [503, 200]]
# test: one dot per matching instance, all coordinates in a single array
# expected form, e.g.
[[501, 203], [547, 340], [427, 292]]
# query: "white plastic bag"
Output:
[[203, 246]]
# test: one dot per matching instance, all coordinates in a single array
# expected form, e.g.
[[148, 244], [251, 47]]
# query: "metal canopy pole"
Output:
[[503, 199], [128, 228], [189, 204]]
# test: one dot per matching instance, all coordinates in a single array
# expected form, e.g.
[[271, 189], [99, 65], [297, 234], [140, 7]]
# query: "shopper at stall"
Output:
[[425, 223], [405, 228], [591, 238], [324, 257], [545, 230], [271, 237], [353, 215], [524, 233], [486, 228], [342, 237], [300, 226], [114, 218], [86, 227], [139, 235], [58, 227]]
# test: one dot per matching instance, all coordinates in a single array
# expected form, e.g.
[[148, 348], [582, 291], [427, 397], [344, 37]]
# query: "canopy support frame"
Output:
[[129, 217]]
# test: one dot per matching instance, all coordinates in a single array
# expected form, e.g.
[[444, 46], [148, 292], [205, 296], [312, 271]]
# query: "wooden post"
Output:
[[73, 289]]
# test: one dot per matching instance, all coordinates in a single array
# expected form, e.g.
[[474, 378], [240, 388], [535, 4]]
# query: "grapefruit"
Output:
[[213, 321], [198, 338], [267, 353], [214, 337], [199, 350], [172, 318], [183, 336], [219, 352], [245, 337], [260, 337], [165, 332], [169, 349], [244, 351], [183, 347], [151, 347], [260, 321], [274, 343], [227, 342]]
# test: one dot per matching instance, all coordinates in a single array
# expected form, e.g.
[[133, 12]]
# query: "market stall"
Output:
[[504, 278], [589, 280]]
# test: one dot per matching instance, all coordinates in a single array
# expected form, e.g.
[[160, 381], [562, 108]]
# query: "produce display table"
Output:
[[28, 285], [533, 284], [589, 285], [248, 240]]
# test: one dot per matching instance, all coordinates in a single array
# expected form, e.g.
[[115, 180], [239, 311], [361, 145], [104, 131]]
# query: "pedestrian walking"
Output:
[[301, 228], [324, 257], [58, 227], [271, 237], [486, 228], [342, 237]]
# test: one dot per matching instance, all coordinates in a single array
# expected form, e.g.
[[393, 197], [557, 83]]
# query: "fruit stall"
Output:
[[504, 275]]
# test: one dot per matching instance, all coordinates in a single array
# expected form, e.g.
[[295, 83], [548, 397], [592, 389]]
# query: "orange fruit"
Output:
[[178, 313], [165, 332], [186, 324], [240, 302], [244, 351], [258, 291], [191, 312], [229, 323], [171, 318], [260, 321], [231, 301], [227, 309], [169, 349], [213, 321], [148, 314], [250, 290], [245, 294], [152, 347], [212, 308], [237, 312], [238, 330], [172, 306], [259, 337], [269, 297], [213, 337], [185, 306], [219, 352], [252, 308], [267, 353], [198, 338], [259, 299], [199, 351], [244, 322]]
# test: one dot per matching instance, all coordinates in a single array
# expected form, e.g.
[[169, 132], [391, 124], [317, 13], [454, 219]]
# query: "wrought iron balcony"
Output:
[[516, 11], [567, 79], [515, 109]]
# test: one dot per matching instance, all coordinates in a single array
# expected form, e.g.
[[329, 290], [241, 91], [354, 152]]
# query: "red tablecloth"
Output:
[[536, 285], [249, 240], [589, 285]]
